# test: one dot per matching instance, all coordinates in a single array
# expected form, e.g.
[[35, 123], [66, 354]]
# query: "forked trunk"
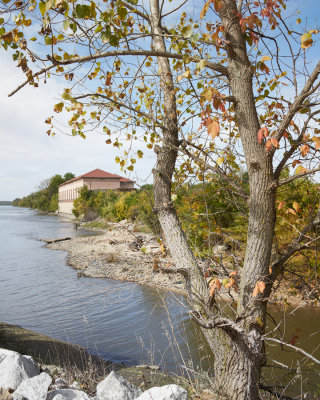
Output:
[[238, 358]]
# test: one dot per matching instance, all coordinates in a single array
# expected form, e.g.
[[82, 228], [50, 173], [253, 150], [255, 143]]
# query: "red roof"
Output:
[[97, 173]]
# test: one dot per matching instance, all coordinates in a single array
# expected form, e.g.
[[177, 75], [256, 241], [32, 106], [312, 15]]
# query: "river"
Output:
[[120, 321]]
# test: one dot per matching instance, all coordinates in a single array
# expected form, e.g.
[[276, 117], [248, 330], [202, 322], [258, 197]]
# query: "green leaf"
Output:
[[1, 21], [58, 107], [66, 24], [139, 154], [42, 8], [48, 40], [187, 32], [122, 12]]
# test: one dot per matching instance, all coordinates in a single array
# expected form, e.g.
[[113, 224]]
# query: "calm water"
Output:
[[119, 321]]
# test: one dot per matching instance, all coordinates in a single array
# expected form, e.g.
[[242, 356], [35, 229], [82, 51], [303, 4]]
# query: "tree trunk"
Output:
[[238, 357], [163, 172]]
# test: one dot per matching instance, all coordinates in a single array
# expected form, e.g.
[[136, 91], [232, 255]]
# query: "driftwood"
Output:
[[48, 241]]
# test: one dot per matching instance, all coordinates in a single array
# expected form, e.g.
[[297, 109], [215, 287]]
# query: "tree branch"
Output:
[[294, 177], [295, 348], [306, 91]]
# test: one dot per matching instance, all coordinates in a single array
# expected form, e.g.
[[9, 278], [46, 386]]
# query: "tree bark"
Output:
[[238, 357], [163, 172]]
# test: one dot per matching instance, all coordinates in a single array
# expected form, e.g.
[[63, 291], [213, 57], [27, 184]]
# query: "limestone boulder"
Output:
[[35, 388], [67, 394], [15, 368], [167, 392], [115, 387]]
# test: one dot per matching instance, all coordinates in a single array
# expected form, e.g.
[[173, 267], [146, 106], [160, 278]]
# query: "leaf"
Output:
[[214, 129], [263, 132], [220, 160], [122, 12], [304, 150], [205, 9], [300, 170], [268, 145], [265, 58], [274, 143], [42, 8], [281, 204], [259, 288], [230, 283], [306, 40], [58, 107], [187, 31], [207, 94], [255, 291], [218, 5], [139, 154], [233, 273], [296, 207]]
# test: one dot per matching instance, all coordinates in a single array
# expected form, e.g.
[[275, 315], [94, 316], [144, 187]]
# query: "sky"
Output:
[[28, 156]]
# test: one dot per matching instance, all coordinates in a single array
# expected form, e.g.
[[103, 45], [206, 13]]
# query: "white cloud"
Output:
[[28, 155]]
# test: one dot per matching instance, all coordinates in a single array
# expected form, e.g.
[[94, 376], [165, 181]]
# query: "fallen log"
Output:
[[49, 241]]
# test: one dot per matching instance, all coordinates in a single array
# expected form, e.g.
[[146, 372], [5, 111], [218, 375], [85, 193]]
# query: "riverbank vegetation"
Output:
[[46, 198]]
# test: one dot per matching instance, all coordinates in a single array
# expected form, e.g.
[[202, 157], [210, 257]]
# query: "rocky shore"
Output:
[[55, 370], [121, 253]]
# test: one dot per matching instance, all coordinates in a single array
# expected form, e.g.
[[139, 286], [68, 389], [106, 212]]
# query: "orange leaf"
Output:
[[304, 150], [275, 143], [261, 286], [218, 283], [295, 162], [290, 210], [268, 145], [212, 289], [255, 291], [233, 273], [296, 207], [281, 204], [218, 5], [214, 129], [260, 135]]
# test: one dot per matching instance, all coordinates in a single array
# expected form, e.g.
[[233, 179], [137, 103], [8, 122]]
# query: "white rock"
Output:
[[67, 394], [168, 392], [15, 368], [35, 388], [115, 387]]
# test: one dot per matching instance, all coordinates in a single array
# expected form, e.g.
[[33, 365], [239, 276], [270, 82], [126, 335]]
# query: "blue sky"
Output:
[[28, 156]]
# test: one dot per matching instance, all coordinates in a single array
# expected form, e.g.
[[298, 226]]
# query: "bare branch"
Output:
[[295, 348], [306, 91], [298, 176]]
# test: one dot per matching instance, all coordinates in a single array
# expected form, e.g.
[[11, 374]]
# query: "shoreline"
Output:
[[121, 254], [124, 254]]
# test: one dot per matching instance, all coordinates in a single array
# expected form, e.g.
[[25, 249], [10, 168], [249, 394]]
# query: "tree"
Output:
[[215, 114]]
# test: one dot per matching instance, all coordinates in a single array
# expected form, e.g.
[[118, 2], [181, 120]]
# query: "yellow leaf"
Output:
[[300, 170], [180, 77], [220, 160], [265, 58]]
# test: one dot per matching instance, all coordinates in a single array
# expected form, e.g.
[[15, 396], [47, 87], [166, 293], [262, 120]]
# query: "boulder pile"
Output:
[[22, 379]]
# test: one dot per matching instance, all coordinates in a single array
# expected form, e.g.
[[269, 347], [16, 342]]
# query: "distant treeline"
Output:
[[5, 203], [46, 198]]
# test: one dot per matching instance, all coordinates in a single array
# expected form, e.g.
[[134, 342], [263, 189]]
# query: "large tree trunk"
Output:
[[238, 357], [165, 166]]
